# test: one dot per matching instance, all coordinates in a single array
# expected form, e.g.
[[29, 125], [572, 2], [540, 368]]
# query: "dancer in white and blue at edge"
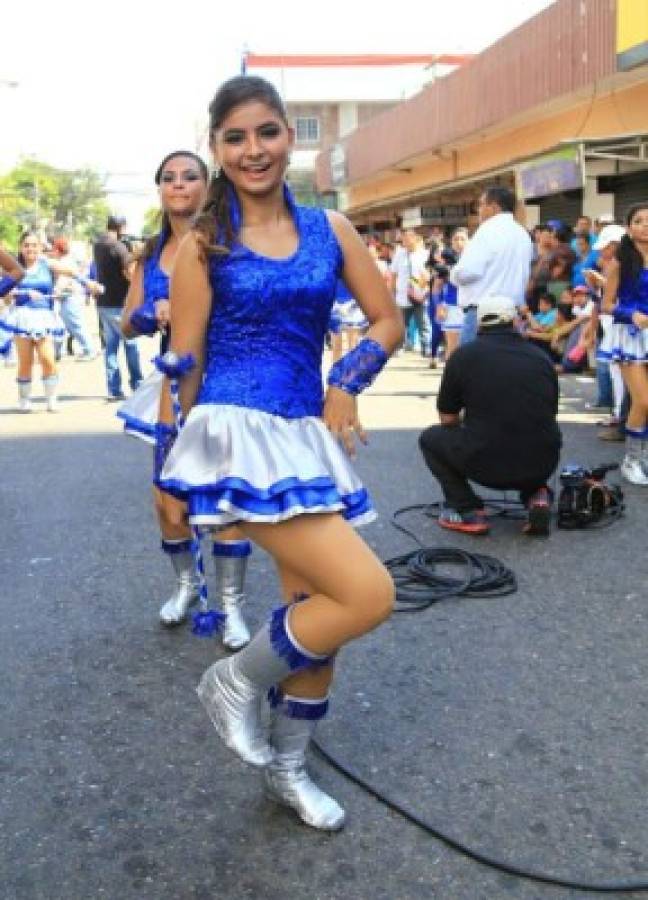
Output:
[[626, 341], [182, 179], [12, 274], [33, 321], [251, 295], [449, 314], [347, 321]]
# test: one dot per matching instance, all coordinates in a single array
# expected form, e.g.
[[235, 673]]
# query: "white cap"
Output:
[[608, 235], [606, 219], [496, 310]]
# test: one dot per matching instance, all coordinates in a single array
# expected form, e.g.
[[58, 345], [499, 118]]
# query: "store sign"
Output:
[[338, 165], [411, 218], [551, 174], [632, 33]]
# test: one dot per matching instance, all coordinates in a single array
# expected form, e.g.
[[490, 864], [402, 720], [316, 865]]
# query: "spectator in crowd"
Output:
[[561, 259], [537, 284], [410, 285], [583, 228], [602, 222], [72, 296], [586, 259], [497, 403], [113, 261], [496, 260]]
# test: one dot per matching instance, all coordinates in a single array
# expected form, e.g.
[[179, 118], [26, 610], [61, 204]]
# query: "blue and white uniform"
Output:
[[140, 411], [454, 318], [254, 446], [34, 318], [623, 342], [346, 312]]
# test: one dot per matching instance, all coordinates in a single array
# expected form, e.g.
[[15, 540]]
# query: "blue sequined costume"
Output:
[[34, 318], [623, 342], [140, 411], [254, 446]]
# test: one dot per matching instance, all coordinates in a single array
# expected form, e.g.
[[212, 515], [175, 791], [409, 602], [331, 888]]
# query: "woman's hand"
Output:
[[340, 416], [162, 312], [640, 320]]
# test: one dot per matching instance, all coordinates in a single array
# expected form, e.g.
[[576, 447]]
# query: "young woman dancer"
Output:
[[182, 179], [260, 443], [12, 273], [626, 341], [449, 315], [33, 321]]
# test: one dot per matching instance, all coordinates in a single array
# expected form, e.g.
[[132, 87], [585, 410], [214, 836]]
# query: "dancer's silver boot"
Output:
[[186, 593], [234, 703], [24, 395], [233, 690], [287, 781], [50, 388], [230, 579]]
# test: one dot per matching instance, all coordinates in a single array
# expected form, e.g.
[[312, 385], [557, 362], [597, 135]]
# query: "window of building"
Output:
[[307, 129]]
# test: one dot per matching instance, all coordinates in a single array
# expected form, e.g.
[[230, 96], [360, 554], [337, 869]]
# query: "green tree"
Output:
[[35, 194], [152, 221]]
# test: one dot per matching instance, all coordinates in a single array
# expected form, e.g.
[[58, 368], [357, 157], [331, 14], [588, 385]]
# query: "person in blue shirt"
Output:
[[586, 259]]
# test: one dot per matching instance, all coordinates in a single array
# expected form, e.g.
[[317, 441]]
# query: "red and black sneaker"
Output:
[[472, 522], [539, 513]]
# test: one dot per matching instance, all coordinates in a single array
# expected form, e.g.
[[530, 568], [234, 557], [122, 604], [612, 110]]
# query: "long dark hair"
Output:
[[29, 233], [164, 225], [631, 261], [215, 221]]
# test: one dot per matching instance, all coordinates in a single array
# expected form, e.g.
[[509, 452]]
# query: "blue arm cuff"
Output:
[[358, 368], [174, 366], [7, 283], [143, 320]]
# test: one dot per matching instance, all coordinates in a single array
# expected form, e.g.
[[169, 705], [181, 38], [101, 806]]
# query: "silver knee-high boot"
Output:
[[24, 395], [233, 690], [50, 387], [230, 565], [186, 592], [286, 779]]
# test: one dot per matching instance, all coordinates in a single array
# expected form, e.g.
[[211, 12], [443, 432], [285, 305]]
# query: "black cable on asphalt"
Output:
[[419, 584]]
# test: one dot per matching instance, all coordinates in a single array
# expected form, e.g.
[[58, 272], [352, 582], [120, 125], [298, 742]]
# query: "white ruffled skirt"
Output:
[[453, 320], [140, 412], [35, 324], [231, 464], [624, 344]]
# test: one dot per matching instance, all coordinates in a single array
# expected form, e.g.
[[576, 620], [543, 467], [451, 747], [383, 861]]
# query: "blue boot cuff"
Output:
[[285, 646], [231, 548]]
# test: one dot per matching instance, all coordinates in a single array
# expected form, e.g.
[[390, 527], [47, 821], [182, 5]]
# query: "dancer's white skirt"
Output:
[[231, 463]]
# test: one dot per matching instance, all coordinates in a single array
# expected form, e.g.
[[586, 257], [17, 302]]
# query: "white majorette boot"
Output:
[[633, 467], [286, 780], [186, 593], [50, 385], [230, 565], [233, 690], [24, 395]]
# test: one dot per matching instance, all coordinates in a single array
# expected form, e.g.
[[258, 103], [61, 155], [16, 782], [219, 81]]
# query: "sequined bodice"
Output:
[[156, 282], [635, 296], [38, 278], [268, 321]]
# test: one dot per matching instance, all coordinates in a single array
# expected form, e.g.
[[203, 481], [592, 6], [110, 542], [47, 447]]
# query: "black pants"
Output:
[[446, 454]]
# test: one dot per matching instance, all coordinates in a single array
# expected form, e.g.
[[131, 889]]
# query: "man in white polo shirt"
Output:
[[496, 261]]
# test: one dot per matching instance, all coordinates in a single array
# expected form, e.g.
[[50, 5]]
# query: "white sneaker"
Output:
[[25, 405], [53, 407], [633, 471]]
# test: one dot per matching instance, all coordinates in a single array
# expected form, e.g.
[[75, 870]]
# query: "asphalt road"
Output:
[[517, 725]]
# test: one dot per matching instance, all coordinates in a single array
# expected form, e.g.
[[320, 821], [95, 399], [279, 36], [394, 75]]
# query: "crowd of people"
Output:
[[244, 288]]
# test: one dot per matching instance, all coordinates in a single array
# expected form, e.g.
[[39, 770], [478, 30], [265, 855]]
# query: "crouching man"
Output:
[[497, 404]]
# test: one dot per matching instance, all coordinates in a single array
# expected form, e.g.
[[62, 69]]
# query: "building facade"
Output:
[[329, 96], [557, 109]]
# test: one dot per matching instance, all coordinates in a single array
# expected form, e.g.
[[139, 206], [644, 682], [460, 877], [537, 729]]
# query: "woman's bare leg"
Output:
[[25, 353]]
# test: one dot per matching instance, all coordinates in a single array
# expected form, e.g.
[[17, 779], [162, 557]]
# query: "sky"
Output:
[[116, 85]]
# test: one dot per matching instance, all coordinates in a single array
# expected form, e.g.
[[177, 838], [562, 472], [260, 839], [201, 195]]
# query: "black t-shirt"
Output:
[[111, 258], [509, 392]]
